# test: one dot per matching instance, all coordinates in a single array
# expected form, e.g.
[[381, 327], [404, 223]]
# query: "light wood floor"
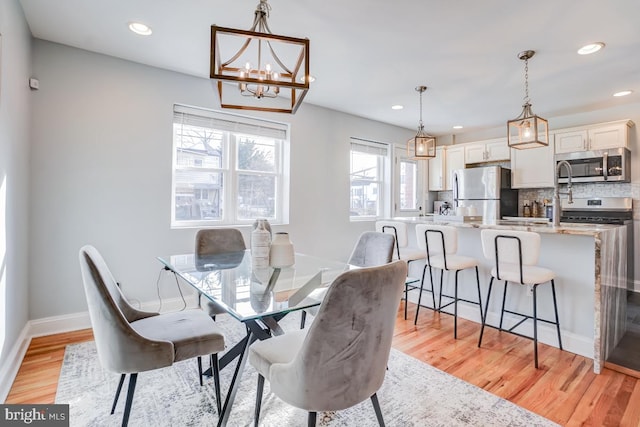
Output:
[[564, 389]]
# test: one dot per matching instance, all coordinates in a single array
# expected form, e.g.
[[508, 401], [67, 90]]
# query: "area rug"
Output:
[[413, 394]]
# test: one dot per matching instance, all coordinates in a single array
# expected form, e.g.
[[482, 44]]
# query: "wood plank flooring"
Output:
[[564, 389]]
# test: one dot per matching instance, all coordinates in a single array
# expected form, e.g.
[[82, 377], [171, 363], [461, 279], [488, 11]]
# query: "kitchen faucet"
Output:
[[557, 209]]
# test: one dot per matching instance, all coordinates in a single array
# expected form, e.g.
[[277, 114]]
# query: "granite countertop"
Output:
[[564, 228]]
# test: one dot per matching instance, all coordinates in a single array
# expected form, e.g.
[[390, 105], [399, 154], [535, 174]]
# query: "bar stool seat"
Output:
[[515, 256], [440, 244]]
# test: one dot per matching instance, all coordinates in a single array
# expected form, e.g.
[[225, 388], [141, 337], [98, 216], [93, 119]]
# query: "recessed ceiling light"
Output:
[[623, 93], [458, 127], [397, 107], [140, 28], [590, 48]]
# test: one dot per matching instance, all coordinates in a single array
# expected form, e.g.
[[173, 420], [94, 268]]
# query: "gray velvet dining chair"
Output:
[[371, 249], [342, 359], [216, 241], [130, 341]]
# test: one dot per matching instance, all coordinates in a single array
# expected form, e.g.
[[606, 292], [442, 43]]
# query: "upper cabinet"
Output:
[[596, 137], [533, 168], [448, 159], [487, 151]]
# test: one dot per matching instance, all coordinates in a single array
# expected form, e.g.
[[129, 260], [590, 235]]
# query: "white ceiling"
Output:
[[368, 55]]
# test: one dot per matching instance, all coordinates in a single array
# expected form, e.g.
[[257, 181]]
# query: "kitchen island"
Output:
[[590, 263]]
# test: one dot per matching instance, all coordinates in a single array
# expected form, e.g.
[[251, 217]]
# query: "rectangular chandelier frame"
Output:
[[287, 82]]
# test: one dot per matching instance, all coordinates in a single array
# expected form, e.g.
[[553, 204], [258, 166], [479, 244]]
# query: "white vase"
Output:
[[281, 254], [260, 244]]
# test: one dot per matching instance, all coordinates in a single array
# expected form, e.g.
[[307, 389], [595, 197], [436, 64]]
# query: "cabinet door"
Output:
[[497, 151], [436, 171], [569, 142], [474, 153], [614, 136], [532, 168], [453, 160]]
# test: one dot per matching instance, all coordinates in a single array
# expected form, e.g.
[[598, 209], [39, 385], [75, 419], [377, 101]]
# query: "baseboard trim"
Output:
[[10, 368]]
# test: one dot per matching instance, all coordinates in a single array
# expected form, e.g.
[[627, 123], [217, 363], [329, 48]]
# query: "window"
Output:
[[369, 174], [228, 169], [408, 185]]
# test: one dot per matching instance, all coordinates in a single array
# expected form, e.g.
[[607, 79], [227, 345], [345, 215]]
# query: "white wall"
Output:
[[101, 173], [15, 119]]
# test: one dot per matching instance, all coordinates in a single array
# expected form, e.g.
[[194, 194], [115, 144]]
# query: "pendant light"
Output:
[[527, 130], [422, 146]]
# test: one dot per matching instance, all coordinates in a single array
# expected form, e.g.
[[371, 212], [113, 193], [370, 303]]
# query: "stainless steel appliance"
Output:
[[488, 189], [597, 166], [604, 210]]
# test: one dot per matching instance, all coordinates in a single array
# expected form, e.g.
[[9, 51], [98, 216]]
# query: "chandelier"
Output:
[[422, 146], [261, 71], [527, 130]]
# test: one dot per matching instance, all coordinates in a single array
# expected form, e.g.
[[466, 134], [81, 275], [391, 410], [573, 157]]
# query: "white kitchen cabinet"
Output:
[[487, 151], [436, 170], [596, 137], [454, 159], [533, 167]]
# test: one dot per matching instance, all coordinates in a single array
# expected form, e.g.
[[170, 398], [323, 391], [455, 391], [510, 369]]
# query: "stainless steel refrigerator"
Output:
[[488, 189]]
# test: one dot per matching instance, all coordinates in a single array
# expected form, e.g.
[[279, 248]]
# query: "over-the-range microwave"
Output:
[[612, 165]]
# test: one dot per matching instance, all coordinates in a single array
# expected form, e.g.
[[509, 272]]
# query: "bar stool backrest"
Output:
[[398, 229], [511, 245], [435, 239]]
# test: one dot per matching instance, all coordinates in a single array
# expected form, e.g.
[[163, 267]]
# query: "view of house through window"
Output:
[[227, 169], [369, 175]]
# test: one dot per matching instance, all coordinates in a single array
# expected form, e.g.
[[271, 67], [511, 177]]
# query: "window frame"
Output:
[[384, 180], [234, 127]]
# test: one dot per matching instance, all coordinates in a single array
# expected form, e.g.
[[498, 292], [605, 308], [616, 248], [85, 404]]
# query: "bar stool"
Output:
[[515, 254], [402, 251], [440, 243]]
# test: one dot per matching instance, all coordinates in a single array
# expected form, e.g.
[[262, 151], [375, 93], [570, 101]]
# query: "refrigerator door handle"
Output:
[[455, 189]]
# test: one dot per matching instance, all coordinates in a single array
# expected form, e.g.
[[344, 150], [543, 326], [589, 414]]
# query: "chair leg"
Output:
[[415, 321], [258, 400], [440, 296], [303, 319], [376, 407], [433, 291], [215, 369], [406, 299], [200, 370], [127, 407], [479, 293], [115, 400], [535, 326], [455, 308], [312, 419], [486, 309], [555, 309], [504, 299]]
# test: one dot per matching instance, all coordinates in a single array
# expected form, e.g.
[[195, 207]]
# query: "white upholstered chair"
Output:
[[130, 341], [342, 359], [371, 249], [440, 243], [515, 257]]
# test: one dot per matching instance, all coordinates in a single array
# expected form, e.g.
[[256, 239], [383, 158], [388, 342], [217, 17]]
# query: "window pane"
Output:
[[364, 199], [408, 184], [256, 196], [198, 147], [198, 195], [256, 154], [366, 172]]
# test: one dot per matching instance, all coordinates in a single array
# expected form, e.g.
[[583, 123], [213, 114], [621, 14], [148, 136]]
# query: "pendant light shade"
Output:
[[527, 130], [422, 146]]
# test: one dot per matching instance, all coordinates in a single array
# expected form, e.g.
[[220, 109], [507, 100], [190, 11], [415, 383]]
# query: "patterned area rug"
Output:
[[413, 394]]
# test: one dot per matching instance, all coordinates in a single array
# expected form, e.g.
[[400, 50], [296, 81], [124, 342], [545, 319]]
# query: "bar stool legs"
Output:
[[433, 296], [456, 299]]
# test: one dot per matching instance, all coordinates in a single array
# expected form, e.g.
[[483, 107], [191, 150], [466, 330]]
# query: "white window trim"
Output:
[[385, 182]]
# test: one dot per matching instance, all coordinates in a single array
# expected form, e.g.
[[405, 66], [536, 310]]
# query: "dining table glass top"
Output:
[[247, 291]]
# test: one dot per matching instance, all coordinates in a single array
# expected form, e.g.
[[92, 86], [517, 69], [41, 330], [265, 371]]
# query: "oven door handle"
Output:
[[605, 165]]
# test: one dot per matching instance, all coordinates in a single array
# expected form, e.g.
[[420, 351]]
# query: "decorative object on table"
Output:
[[265, 223], [256, 70], [445, 209], [527, 130], [260, 244], [281, 253], [260, 294], [422, 146]]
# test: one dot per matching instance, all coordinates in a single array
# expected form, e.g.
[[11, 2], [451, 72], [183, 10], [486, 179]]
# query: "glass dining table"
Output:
[[255, 295]]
